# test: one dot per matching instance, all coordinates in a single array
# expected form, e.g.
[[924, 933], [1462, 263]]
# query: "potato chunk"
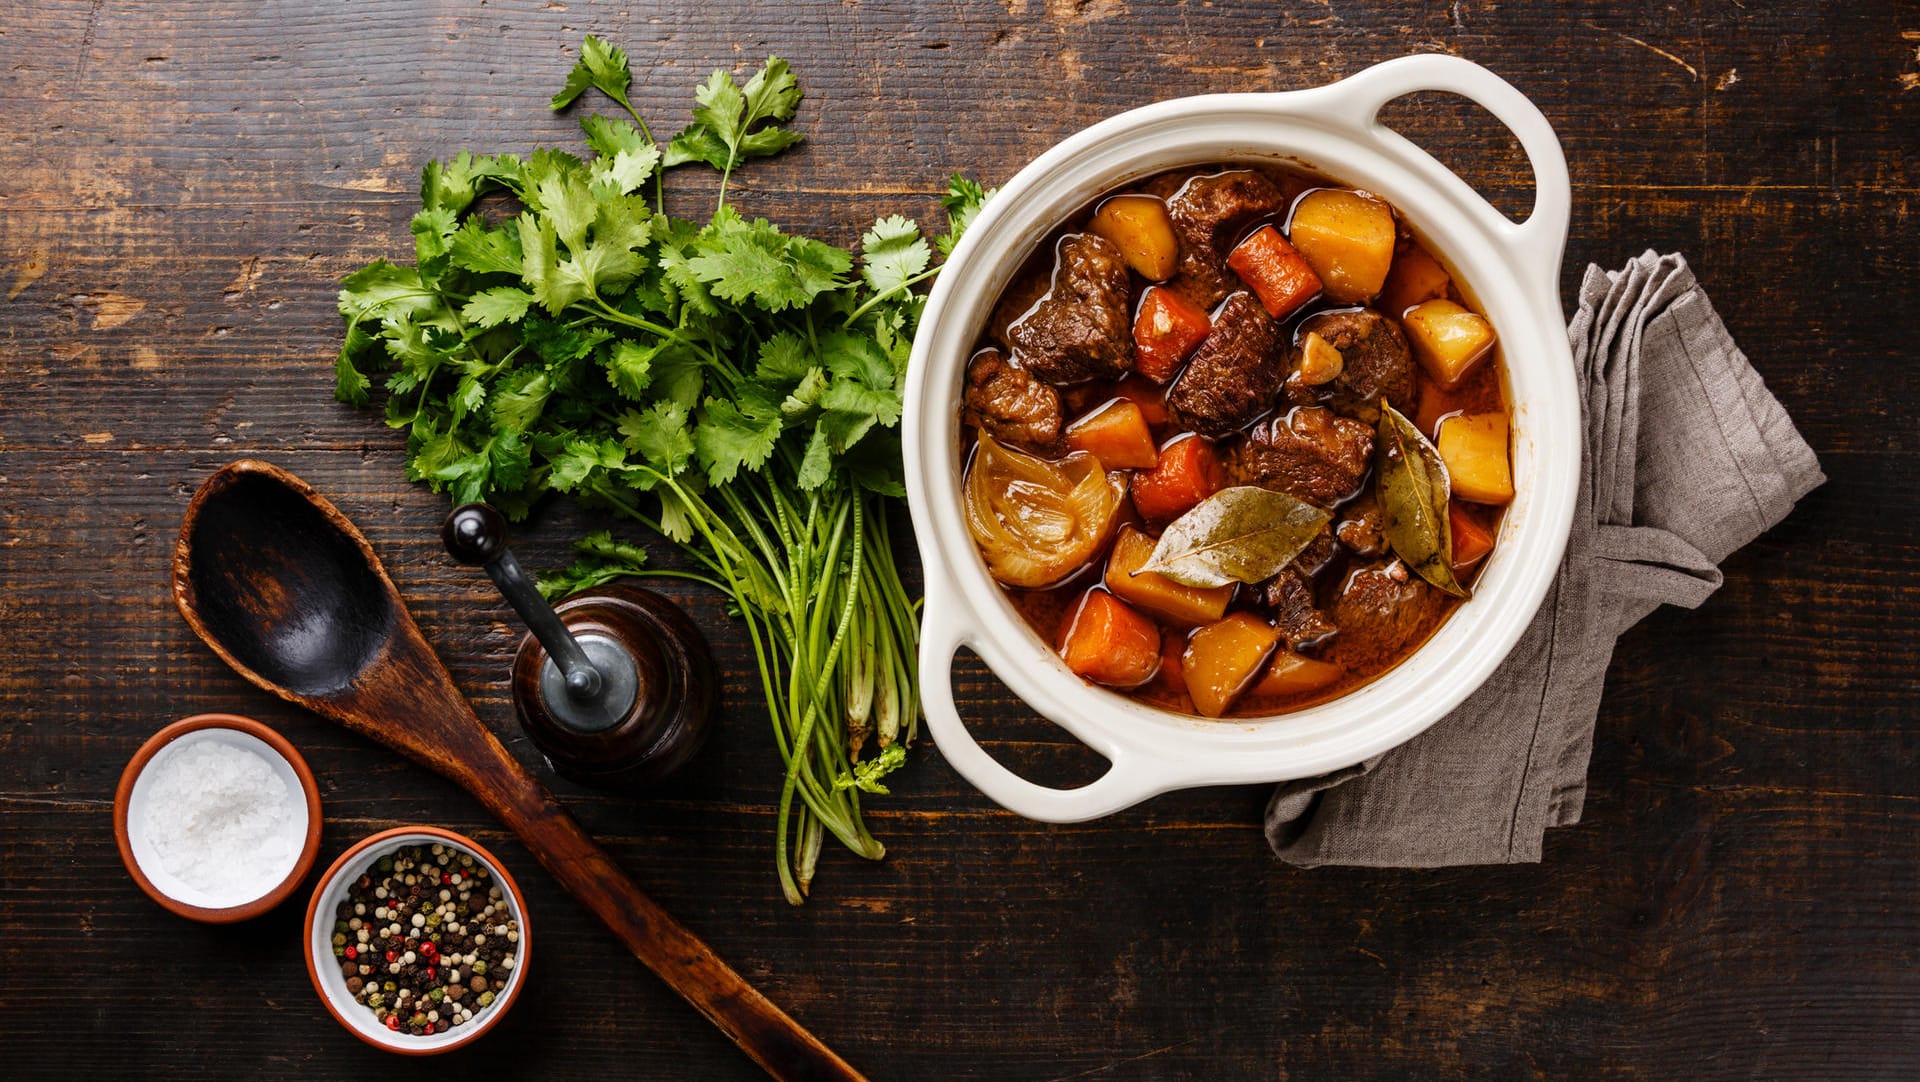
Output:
[[1474, 447], [1347, 239], [1296, 674], [1448, 340], [1155, 592], [1416, 276], [1224, 658], [1138, 225]]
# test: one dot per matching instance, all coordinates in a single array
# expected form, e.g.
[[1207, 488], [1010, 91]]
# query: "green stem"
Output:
[[870, 302]]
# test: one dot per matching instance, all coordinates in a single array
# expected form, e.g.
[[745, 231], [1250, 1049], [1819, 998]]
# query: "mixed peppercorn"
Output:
[[425, 939]]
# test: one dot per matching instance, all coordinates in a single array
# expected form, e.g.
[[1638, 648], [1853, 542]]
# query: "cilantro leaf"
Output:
[[805, 395], [501, 304], [695, 143], [379, 288], [519, 399], [729, 437], [963, 201], [453, 185], [601, 66], [783, 359], [773, 94], [866, 776], [581, 458], [851, 409], [626, 170], [857, 356], [659, 435], [432, 227], [816, 465], [720, 107], [609, 135], [731, 123], [602, 559], [892, 254], [350, 385], [476, 248], [741, 260], [629, 368]]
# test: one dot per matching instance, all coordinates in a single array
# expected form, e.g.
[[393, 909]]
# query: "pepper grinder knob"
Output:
[[598, 676]]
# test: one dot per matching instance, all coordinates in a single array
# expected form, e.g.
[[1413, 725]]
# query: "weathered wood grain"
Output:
[[185, 183]]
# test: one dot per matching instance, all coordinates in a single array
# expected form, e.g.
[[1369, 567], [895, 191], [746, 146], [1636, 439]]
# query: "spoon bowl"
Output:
[[287, 594]]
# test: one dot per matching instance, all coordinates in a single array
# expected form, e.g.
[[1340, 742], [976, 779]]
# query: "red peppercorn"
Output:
[[433, 974], [393, 1021], [392, 956], [428, 1032]]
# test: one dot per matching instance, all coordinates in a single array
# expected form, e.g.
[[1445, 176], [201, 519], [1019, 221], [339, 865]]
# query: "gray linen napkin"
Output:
[[1720, 464]]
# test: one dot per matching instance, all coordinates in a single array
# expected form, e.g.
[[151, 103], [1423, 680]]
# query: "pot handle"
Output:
[[1131, 777], [1540, 240]]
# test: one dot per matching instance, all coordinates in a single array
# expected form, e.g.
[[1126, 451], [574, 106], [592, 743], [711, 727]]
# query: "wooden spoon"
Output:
[[288, 592]]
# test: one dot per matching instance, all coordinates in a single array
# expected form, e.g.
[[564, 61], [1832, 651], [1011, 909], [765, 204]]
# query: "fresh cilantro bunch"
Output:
[[731, 386]]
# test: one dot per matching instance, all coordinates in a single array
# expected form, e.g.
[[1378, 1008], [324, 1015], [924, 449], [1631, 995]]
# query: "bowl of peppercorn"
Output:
[[417, 940]]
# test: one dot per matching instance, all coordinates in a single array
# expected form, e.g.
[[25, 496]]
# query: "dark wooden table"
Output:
[[184, 183]]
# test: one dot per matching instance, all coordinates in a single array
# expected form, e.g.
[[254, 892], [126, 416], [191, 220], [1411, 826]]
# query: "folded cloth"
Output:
[[1687, 459]]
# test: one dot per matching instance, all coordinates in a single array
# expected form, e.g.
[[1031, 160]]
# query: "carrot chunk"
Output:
[[1155, 592], [1188, 471], [1472, 540], [1280, 276], [1109, 643], [1166, 328], [1116, 433]]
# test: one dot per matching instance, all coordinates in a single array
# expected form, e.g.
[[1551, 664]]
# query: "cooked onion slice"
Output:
[[1036, 521]]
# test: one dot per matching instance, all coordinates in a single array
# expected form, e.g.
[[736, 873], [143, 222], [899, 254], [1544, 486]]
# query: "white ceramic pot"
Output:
[[1514, 274]]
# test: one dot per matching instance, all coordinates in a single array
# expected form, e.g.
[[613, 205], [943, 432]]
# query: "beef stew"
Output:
[[1237, 441]]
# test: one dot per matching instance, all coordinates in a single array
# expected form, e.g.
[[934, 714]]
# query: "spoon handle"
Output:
[[774, 1040], [469, 755]]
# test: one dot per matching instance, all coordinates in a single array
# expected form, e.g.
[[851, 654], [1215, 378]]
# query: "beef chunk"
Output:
[[1290, 595], [1362, 527], [1309, 453], [1234, 375], [1210, 214], [1011, 405], [1383, 610], [1376, 361], [1081, 329]]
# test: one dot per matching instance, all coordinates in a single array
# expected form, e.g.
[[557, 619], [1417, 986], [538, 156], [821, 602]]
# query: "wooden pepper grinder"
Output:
[[615, 686]]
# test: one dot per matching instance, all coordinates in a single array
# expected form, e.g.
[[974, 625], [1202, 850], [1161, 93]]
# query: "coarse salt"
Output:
[[222, 820]]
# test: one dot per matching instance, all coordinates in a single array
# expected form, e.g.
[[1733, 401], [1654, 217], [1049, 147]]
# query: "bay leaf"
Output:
[[1413, 489], [1240, 534]]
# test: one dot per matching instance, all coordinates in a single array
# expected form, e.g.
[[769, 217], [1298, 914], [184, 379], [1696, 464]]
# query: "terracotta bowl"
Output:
[[142, 860], [327, 980]]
